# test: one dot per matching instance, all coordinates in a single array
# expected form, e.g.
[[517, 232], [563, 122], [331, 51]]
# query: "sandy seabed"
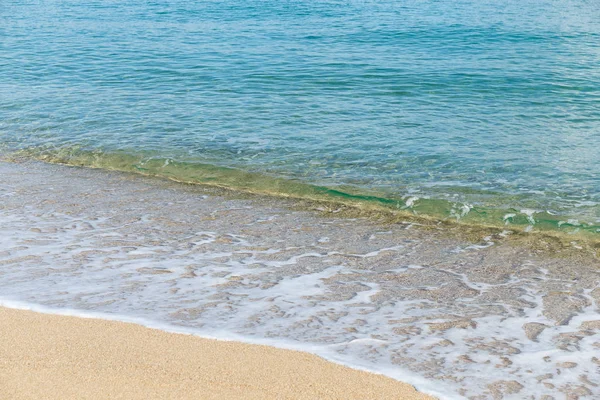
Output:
[[59, 357]]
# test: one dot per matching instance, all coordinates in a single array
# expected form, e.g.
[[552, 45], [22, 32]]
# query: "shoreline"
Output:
[[447, 315], [58, 356]]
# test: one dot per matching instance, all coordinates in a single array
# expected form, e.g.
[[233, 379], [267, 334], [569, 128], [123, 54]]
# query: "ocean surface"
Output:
[[484, 111]]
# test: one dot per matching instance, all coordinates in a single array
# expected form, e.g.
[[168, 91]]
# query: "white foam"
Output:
[[410, 201], [530, 215]]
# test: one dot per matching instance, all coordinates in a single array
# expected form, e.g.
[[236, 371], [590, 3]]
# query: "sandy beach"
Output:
[[453, 317], [61, 357]]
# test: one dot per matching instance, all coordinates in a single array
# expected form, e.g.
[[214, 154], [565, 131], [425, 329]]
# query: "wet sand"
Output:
[[61, 357]]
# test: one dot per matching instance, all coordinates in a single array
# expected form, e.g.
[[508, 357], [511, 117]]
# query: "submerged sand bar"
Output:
[[60, 357]]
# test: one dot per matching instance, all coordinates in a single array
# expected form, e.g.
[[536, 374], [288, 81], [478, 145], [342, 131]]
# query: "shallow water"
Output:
[[485, 319], [487, 105]]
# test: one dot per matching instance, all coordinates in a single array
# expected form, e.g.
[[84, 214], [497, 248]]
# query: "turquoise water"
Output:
[[456, 105]]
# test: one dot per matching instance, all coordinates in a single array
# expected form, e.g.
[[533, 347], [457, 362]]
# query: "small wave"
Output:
[[381, 206]]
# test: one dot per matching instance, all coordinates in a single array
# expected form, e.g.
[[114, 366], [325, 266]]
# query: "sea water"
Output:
[[462, 109]]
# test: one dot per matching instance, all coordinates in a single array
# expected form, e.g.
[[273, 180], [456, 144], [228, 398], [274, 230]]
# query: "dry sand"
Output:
[[58, 357]]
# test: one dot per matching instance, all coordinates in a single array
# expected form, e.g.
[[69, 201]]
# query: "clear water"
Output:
[[485, 104]]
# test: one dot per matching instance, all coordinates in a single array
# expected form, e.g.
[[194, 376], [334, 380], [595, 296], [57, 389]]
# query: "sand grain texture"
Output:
[[60, 357]]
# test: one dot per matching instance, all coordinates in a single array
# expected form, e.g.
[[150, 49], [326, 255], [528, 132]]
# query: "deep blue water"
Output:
[[495, 104]]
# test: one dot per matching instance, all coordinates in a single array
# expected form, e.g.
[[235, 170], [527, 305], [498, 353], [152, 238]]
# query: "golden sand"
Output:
[[59, 357]]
